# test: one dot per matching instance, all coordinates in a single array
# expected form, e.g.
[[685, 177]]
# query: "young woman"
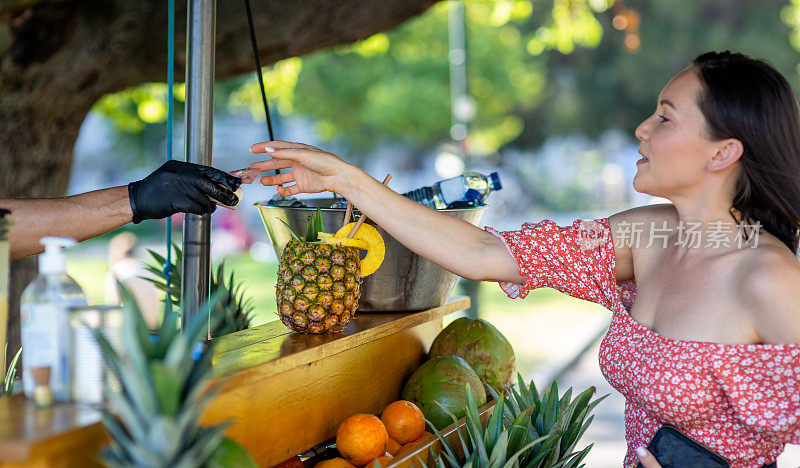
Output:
[[710, 343]]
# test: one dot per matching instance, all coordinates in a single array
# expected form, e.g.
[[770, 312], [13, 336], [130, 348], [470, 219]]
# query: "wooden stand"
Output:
[[283, 392], [286, 392]]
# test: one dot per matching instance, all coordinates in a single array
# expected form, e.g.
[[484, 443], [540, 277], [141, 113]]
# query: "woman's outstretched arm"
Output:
[[451, 243]]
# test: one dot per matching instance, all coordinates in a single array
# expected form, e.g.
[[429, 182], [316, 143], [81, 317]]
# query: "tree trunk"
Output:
[[57, 58]]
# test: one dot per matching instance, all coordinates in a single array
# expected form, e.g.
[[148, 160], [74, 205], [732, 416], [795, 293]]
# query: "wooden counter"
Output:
[[286, 392], [60, 436]]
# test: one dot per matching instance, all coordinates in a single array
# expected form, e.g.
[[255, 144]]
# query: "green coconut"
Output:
[[482, 345], [443, 379]]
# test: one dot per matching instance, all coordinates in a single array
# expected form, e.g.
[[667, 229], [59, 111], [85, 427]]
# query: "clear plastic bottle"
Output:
[[43, 307], [468, 187]]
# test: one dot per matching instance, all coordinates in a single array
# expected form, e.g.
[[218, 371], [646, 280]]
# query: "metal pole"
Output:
[[462, 109], [458, 75], [201, 29]]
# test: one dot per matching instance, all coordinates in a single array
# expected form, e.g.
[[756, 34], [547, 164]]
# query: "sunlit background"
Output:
[[554, 92]]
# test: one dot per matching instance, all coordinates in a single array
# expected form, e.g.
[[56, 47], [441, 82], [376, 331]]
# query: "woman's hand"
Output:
[[647, 458], [312, 170]]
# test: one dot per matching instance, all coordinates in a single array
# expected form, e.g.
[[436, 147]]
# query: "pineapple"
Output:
[[237, 310], [319, 277], [165, 382]]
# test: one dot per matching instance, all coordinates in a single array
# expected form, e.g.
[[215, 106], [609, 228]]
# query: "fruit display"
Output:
[[482, 345], [440, 384], [319, 276], [364, 440]]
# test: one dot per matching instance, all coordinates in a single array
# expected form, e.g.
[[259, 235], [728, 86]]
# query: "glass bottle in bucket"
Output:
[[470, 188]]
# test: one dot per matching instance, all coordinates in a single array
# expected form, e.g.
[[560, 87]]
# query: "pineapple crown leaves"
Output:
[[237, 307], [11, 373], [164, 387], [316, 224], [488, 448], [525, 429]]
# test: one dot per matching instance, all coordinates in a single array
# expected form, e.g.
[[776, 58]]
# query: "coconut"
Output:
[[443, 379], [482, 345]]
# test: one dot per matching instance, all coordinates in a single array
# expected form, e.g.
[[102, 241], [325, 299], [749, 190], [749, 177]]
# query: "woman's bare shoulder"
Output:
[[769, 278], [630, 228], [645, 214]]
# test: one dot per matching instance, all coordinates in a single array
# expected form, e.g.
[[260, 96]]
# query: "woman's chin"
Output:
[[642, 188]]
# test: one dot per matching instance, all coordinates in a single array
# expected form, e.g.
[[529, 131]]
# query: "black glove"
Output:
[[179, 186]]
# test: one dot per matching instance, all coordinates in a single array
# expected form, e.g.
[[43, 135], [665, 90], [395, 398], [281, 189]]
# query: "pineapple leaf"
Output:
[[448, 447], [291, 231], [495, 425], [474, 427], [513, 459], [497, 457], [11, 374], [167, 382], [320, 222], [133, 421]]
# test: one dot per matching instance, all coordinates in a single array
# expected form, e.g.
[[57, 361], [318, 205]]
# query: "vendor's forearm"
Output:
[[80, 216], [451, 243]]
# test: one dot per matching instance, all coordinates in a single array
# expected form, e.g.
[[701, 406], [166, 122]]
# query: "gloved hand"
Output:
[[179, 186]]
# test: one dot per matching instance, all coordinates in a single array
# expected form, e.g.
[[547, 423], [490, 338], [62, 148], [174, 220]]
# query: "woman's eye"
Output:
[[663, 119]]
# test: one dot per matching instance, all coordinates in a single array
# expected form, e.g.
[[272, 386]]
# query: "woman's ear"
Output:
[[728, 152]]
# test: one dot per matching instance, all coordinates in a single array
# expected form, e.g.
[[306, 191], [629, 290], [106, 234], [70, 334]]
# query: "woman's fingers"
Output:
[[265, 146], [277, 179], [271, 164], [647, 458], [288, 191]]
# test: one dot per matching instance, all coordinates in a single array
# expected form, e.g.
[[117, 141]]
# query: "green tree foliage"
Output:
[[593, 90], [535, 68], [396, 85]]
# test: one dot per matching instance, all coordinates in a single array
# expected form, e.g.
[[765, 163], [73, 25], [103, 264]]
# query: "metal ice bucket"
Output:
[[405, 281]]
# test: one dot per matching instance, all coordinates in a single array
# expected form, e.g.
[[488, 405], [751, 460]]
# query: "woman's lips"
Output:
[[641, 161]]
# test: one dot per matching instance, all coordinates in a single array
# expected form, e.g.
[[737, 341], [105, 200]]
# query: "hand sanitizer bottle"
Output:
[[43, 307]]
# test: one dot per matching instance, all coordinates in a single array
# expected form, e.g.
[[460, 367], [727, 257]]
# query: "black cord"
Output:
[[258, 68]]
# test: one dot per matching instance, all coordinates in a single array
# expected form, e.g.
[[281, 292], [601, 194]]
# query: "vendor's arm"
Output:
[[455, 245], [174, 187], [80, 216]]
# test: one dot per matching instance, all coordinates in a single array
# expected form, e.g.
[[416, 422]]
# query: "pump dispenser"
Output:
[[43, 307]]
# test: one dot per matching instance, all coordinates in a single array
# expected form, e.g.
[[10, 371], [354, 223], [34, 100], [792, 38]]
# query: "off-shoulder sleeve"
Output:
[[577, 260], [762, 383]]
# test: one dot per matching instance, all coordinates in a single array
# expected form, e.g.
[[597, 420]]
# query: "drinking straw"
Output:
[[363, 217], [347, 214]]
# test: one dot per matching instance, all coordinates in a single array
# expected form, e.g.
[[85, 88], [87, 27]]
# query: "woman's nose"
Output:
[[643, 130]]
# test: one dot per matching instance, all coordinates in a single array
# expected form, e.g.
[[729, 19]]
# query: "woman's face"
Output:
[[673, 141]]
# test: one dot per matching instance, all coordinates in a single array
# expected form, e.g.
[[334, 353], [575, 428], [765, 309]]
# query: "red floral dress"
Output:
[[743, 401]]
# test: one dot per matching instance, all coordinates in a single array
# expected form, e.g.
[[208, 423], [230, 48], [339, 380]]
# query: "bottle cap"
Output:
[[495, 181], [53, 260], [474, 196]]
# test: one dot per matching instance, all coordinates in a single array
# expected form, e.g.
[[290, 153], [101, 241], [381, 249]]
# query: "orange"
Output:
[[392, 446], [361, 438], [383, 461], [404, 421], [335, 463]]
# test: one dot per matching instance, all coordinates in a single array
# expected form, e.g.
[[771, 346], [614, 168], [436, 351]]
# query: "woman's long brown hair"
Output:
[[747, 99]]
